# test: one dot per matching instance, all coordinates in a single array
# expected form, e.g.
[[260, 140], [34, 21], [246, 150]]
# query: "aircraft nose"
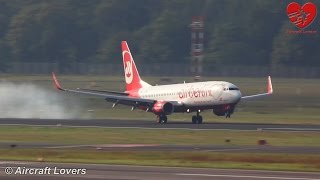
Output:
[[237, 96]]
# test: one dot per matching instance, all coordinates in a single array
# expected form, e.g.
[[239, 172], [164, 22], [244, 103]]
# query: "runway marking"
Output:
[[243, 176], [12, 162], [104, 146], [66, 146], [292, 129], [225, 150]]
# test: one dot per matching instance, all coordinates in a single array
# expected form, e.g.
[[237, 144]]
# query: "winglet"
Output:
[[56, 83], [270, 89]]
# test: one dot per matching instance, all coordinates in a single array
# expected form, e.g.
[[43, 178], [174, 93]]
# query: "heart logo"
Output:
[[301, 16]]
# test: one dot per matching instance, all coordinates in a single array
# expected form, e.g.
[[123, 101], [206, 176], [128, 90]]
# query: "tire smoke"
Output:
[[31, 101]]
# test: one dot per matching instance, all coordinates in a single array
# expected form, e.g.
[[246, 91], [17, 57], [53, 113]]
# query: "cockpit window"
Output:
[[233, 89]]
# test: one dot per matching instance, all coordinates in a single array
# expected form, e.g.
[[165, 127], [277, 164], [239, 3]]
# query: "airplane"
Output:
[[219, 96]]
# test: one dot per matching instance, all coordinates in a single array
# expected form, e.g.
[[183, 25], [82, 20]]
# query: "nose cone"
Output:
[[236, 96], [234, 92], [239, 95]]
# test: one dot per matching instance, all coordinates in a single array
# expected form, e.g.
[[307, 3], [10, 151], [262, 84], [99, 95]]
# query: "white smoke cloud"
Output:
[[31, 101]]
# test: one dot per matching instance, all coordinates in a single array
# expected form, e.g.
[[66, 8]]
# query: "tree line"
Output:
[[253, 32]]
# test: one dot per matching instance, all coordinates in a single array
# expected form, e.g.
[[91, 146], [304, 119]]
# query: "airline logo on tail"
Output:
[[131, 73], [127, 66]]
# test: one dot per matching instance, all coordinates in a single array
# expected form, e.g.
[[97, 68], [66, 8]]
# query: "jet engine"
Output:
[[163, 107], [225, 110]]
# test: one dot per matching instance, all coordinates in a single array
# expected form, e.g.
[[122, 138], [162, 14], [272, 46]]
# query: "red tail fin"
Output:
[[131, 73]]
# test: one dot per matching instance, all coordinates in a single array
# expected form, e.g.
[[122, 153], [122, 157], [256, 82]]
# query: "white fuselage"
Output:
[[208, 93]]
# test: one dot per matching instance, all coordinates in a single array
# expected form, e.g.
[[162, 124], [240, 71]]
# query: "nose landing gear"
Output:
[[228, 114], [228, 111]]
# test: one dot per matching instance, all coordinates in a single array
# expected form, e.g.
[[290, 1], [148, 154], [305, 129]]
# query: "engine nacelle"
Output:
[[163, 107], [224, 110]]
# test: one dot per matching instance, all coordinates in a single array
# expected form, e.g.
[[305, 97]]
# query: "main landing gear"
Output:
[[228, 114], [197, 119], [162, 119]]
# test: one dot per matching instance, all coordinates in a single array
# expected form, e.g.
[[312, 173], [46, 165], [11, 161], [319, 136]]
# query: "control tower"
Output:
[[197, 34]]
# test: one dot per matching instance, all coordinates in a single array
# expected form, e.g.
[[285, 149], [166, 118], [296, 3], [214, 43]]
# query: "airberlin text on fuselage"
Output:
[[195, 93]]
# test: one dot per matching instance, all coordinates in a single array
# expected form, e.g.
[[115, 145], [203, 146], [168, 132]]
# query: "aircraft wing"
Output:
[[118, 99], [270, 91], [104, 91]]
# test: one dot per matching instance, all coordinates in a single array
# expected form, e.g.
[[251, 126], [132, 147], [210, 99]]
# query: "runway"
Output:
[[114, 123], [124, 172]]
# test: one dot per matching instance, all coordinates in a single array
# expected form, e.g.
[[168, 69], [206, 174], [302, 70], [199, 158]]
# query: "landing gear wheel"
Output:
[[199, 119], [196, 119], [162, 119]]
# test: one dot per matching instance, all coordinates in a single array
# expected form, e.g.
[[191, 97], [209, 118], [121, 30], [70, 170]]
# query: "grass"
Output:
[[63, 135], [294, 100], [264, 161]]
